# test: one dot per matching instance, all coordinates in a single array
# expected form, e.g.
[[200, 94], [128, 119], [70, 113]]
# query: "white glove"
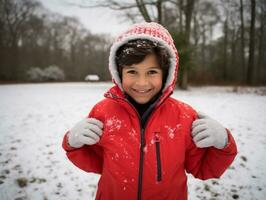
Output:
[[207, 132], [87, 131]]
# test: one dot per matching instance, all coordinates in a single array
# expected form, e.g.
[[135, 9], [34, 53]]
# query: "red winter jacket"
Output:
[[150, 162]]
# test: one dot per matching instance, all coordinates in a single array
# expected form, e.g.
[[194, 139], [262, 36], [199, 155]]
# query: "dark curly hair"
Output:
[[135, 51]]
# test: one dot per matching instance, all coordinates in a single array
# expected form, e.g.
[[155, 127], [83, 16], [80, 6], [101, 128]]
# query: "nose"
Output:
[[142, 81]]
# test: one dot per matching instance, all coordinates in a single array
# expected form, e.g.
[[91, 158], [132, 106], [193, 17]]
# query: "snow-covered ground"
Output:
[[34, 118]]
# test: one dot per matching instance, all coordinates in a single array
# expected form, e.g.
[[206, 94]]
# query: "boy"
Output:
[[138, 138]]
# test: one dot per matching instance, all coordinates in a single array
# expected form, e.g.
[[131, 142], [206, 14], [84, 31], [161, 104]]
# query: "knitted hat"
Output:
[[150, 31]]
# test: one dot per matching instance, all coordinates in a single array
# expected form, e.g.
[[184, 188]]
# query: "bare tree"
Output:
[[225, 47], [262, 42], [242, 48], [250, 70], [43, 38], [145, 9], [14, 15], [31, 36], [188, 13], [205, 17]]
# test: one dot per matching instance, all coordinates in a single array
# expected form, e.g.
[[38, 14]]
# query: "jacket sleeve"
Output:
[[88, 158], [205, 163]]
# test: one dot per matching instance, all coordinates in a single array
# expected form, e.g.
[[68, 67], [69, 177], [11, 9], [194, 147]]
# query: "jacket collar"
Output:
[[116, 94]]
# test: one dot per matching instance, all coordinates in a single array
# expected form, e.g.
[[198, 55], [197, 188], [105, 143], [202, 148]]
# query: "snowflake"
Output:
[[113, 124], [171, 131], [133, 134], [145, 149]]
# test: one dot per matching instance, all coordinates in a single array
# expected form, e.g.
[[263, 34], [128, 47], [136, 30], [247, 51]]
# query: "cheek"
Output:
[[157, 82], [126, 82]]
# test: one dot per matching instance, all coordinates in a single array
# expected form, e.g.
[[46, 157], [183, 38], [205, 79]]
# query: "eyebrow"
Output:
[[155, 68], [130, 67]]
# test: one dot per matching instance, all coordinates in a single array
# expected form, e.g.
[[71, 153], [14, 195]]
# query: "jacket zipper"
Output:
[[141, 155], [142, 145], [141, 161], [158, 156]]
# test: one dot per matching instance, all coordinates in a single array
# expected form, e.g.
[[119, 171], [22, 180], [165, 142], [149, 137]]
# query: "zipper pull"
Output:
[[158, 156], [156, 137]]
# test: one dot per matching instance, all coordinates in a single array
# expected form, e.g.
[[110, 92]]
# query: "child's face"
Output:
[[142, 81]]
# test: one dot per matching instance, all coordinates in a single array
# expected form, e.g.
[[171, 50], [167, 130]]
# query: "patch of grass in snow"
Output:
[[214, 182], [235, 196], [37, 180], [2, 178], [21, 198], [244, 158], [13, 148], [243, 165], [22, 182], [250, 90], [206, 187]]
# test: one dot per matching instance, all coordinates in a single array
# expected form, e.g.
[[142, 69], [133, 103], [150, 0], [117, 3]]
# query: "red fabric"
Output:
[[116, 156], [87, 158]]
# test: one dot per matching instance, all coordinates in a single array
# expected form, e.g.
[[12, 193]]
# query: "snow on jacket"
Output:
[[147, 162]]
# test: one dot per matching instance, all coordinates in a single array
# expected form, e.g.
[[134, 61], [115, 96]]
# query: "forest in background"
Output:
[[219, 42]]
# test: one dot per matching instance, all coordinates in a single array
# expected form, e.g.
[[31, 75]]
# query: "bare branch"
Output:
[[114, 5]]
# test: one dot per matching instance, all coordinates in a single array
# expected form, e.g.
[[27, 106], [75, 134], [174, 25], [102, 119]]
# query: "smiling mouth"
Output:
[[141, 91]]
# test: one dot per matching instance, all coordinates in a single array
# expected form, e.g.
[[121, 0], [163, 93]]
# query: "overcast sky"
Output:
[[97, 20]]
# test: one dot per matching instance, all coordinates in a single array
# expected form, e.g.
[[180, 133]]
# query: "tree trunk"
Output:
[[203, 49], [181, 16], [143, 10], [261, 49], [233, 68], [250, 71], [225, 49], [188, 14], [242, 49], [159, 11], [14, 58]]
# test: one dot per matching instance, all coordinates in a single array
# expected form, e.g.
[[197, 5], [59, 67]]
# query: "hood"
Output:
[[150, 31]]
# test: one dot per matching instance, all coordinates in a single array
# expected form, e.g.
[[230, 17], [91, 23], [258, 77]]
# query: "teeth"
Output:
[[141, 91]]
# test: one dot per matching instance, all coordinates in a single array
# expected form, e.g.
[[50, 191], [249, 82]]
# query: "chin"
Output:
[[142, 101]]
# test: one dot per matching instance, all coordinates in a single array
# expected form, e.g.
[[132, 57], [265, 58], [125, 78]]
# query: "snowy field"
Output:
[[34, 118]]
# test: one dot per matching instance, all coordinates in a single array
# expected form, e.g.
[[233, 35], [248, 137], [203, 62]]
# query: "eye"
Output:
[[151, 72], [131, 72]]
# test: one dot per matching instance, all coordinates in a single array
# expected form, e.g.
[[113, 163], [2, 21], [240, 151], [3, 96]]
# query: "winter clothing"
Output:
[[147, 157], [87, 131], [207, 132], [154, 32]]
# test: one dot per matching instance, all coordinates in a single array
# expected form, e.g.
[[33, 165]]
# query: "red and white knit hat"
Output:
[[150, 31]]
